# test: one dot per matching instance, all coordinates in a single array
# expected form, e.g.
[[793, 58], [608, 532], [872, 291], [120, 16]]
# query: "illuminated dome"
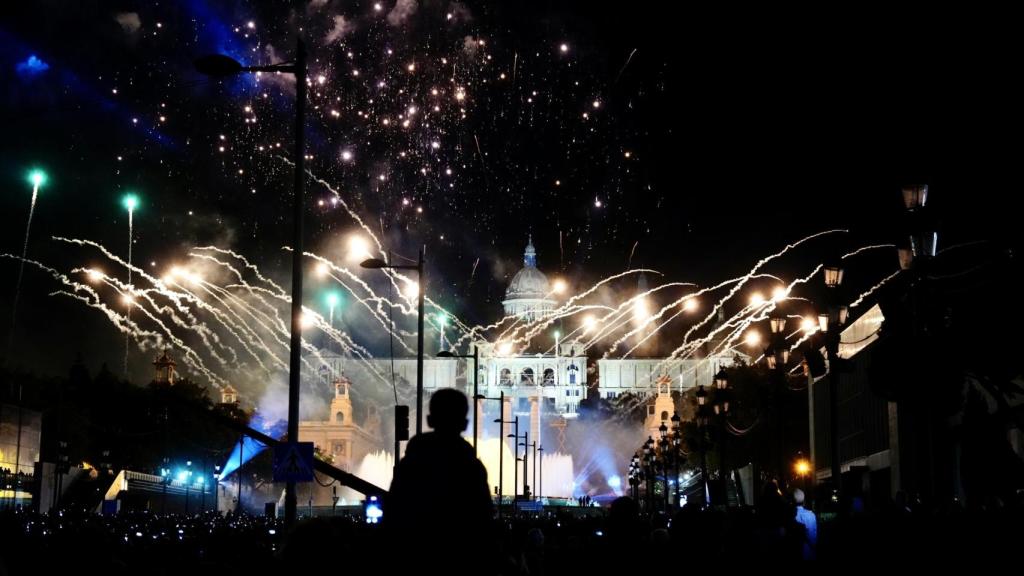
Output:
[[528, 295]]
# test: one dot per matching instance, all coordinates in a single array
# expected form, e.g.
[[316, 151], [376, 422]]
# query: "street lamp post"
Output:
[[634, 475], [777, 356], [722, 398], [188, 482], [476, 387], [202, 487], [241, 448], [501, 445], [525, 460], [223, 66], [515, 467], [916, 253], [702, 422], [376, 263], [165, 474], [676, 444], [534, 446], [216, 484], [663, 445], [648, 459], [540, 485], [836, 318]]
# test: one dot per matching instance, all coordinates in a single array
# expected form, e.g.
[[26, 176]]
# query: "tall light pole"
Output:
[[540, 483], [663, 444], [702, 422], [376, 263], [836, 318], [476, 387], [221, 66], [777, 356], [677, 439], [722, 398], [916, 253], [515, 467], [501, 448], [526, 459], [648, 460]]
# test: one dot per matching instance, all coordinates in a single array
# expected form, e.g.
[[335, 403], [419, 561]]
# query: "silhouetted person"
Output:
[[810, 523], [439, 508]]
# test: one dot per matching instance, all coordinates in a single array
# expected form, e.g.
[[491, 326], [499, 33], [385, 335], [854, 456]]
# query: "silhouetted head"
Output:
[[448, 410], [623, 510], [798, 497]]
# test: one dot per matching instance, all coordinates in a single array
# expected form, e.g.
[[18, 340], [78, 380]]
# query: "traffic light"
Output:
[[401, 422]]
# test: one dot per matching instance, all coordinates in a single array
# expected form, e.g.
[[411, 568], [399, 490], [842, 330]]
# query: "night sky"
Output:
[[695, 142]]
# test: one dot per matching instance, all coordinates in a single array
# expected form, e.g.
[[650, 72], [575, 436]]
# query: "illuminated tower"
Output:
[[164, 366]]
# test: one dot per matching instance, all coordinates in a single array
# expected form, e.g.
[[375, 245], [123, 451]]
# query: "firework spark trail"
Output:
[[626, 312], [246, 335], [750, 276], [121, 322], [863, 248], [539, 325], [651, 319], [156, 282], [623, 69], [352, 213], [274, 315], [736, 326], [243, 333], [481, 329], [223, 319], [204, 333], [273, 324], [761, 311], [190, 357], [674, 316], [110, 255], [362, 354], [560, 312], [594, 288], [380, 314], [391, 274], [117, 259], [575, 309], [131, 238], [21, 268], [373, 297], [243, 284], [629, 262], [189, 296], [718, 305], [871, 290], [248, 265]]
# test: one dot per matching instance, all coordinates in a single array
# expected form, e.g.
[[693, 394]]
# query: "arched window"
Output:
[[664, 415], [526, 377], [339, 417], [549, 377], [506, 377], [572, 373]]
